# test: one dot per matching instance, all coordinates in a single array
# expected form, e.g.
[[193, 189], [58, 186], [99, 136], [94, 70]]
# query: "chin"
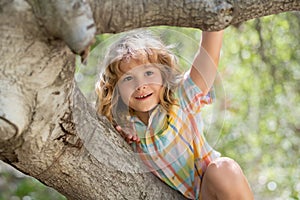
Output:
[[147, 109]]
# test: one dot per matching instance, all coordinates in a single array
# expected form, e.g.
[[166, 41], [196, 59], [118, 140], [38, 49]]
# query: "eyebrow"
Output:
[[145, 66], [150, 65]]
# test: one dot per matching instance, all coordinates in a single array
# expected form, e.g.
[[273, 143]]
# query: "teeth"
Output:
[[140, 97]]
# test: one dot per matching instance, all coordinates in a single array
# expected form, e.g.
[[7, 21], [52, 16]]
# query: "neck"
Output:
[[143, 116]]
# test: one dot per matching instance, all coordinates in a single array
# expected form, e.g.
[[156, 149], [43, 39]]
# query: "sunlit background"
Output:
[[255, 119]]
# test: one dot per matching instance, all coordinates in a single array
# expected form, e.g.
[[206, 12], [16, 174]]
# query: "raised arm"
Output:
[[206, 61]]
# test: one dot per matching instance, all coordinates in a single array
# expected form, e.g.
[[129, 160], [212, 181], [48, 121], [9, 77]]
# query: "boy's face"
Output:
[[140, 85]]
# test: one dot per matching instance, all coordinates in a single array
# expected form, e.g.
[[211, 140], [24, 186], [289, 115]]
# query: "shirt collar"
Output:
[[155, 114]]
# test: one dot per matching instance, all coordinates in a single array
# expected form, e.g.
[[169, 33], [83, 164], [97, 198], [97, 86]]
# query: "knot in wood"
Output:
[[69, 136], [225, 13]]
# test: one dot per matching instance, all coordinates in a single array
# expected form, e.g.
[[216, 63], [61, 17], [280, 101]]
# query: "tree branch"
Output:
[[117, 16], [69, 20], [72, 21]]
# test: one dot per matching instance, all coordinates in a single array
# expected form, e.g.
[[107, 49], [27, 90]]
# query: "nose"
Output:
[[140, 84], [141, 87]]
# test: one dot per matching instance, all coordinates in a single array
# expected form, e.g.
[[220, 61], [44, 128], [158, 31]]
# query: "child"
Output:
[[141, 88]]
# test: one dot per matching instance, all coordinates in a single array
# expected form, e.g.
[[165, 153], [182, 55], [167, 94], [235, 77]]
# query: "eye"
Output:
[[127, 78], [149, 73]]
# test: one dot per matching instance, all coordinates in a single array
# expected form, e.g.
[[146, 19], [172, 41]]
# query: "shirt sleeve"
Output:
[[190, 96]]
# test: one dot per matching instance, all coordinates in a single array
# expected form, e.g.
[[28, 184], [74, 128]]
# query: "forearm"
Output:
[[212, 43], [205, 64]]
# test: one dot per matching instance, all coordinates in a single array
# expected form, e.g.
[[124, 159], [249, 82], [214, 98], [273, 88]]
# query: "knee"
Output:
[[224, 179], [225, 172], [225, 166]]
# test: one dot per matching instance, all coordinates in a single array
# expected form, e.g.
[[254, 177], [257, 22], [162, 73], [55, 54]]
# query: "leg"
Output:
[[225, 180]]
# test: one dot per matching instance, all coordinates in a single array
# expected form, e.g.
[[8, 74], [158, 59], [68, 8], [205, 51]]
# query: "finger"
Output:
[[120, 131], [118, 128], [134, 137], [128, 138], [138, 140]]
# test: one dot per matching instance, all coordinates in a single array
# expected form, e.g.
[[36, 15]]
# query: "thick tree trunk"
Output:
[[47, 129]]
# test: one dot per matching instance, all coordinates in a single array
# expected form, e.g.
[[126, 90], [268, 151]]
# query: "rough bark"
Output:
[[116, 16], [72, 20], [47, 130]]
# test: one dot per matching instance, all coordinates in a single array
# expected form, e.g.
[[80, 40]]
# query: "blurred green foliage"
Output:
[[255, 119], [16, 186], [261, 71]]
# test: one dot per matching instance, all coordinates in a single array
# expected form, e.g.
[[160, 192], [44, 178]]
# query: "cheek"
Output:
[[125, 93], [156, 80]]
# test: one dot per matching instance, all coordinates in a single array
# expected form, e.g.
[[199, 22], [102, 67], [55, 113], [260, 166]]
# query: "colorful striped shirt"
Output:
[[173, 145]]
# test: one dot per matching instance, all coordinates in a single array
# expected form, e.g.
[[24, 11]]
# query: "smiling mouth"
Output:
[[143, 96]]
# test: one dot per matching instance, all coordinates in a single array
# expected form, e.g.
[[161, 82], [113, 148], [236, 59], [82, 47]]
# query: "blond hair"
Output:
[[128, 47]]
